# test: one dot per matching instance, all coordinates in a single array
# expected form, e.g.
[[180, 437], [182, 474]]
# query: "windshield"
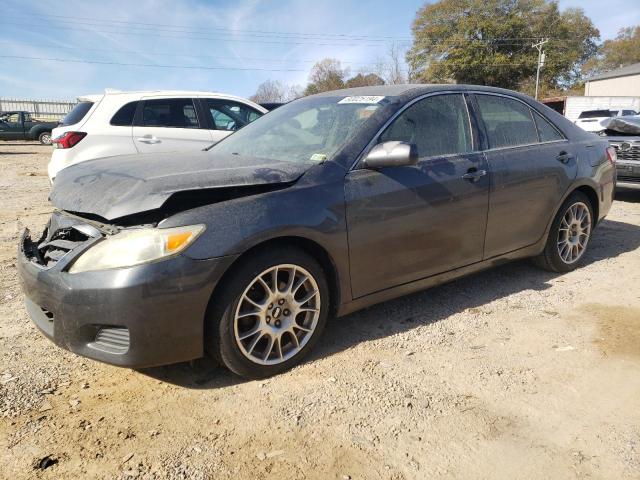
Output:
[[77, 114], [308, 130], [597, 114]]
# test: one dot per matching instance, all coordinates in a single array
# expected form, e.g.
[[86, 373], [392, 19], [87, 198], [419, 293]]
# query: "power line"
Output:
[[164, 54], [189, 37], [154, 65], [186, 29], [483, 42], [196, 67], [206, 29]]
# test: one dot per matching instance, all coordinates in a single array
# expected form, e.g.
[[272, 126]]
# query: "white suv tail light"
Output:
[[68, 139]]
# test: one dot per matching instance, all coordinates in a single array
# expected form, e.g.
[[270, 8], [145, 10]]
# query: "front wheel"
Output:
[[569, 235], [45, 138], [269, 313]]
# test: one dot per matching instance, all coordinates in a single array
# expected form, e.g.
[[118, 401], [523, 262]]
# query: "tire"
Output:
[[233, 315], [560, 253], [45, 138]]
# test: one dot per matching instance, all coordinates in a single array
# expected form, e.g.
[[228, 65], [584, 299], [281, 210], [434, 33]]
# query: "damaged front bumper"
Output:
[[141, 316], [628, 173]]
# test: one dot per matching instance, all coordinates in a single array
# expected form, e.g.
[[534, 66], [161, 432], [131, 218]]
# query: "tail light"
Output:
[[68, 139], [612, 155]]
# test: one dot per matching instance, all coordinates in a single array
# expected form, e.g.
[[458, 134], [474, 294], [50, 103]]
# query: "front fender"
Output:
[[307, 210]]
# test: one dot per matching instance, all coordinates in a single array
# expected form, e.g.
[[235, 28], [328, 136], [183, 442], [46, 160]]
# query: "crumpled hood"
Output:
[[119, 186], [629, 125]]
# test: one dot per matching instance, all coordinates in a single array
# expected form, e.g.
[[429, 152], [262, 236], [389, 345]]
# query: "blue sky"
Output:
[[233, 39]]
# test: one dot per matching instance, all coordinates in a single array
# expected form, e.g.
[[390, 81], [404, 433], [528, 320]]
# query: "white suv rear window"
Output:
[[77, 113]]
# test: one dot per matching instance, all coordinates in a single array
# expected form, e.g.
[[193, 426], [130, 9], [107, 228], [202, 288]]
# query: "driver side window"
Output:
[[437, 125], [11, 118], [230, 116]]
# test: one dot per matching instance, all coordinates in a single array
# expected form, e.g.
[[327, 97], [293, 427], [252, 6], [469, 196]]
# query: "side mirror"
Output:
[[391, 154]]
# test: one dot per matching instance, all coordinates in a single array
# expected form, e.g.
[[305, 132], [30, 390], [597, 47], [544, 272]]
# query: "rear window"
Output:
[[546, 131], [77, 113], [508, 122], [124, 116], [596, 114]]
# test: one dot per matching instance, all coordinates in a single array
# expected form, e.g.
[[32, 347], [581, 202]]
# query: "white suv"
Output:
[[123, 123]]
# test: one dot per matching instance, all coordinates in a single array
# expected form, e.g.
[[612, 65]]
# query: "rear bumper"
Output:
[[135, 317], [60, 158]]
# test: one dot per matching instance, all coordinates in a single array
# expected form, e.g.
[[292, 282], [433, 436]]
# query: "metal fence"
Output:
[[40, 109]]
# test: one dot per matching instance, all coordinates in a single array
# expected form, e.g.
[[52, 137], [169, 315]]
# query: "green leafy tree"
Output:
[[621, 51], [326, 75], [364, 80], [489, 42]]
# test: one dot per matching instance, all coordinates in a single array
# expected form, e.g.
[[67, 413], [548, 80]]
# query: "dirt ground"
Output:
[[510, 373]]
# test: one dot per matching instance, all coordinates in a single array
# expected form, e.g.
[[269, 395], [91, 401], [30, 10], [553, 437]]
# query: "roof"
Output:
[[385, 90], [139, 94], [411, 90], [633, 69]]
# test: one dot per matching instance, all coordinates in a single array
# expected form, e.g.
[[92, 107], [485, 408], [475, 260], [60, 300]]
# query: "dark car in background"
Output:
[[22, 126], [327, 205], [271, 105]]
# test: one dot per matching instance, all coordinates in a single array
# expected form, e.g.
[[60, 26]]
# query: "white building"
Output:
[[621, 82]]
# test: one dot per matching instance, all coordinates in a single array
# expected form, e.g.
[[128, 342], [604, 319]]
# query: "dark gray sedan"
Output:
[[327, 205]]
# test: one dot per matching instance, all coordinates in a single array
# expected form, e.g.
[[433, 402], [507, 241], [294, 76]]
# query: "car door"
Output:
[[407, 223], [11, 127], [532, 164], [169, 124], [227, 116]]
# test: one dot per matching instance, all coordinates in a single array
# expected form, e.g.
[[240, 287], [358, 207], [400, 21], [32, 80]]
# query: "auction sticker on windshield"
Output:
[[362, 99]]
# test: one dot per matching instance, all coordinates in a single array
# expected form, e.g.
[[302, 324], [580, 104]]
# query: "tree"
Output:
[[390, 68], [275, 91], [619, 52], [326, 75], [364, 80], [488, 42]]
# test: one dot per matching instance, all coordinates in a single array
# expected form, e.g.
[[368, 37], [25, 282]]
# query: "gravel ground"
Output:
[[510, 373]]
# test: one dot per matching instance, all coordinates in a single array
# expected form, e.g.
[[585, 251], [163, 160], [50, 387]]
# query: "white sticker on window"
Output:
[[362, 99], [318, 157]]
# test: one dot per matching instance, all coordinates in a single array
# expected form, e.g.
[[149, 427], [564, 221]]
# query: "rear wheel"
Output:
[[45, 138], [269, 314], [569, 235]]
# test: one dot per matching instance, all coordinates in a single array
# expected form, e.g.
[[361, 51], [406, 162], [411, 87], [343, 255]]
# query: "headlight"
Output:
[[136, 246]]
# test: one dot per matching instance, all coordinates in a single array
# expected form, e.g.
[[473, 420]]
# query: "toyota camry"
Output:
[[329, 204]]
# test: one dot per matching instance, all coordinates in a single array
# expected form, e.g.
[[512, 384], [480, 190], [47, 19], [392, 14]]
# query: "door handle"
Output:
[[564, 157], [150, 140], [473, 174]]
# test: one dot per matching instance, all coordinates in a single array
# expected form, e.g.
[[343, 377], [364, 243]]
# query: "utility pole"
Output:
[[541, 56]]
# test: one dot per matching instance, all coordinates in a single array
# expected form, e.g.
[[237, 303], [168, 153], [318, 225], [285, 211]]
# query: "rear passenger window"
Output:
[[124, 116], [437, 125], [547, 132], [229, 115], [174, 112], [507, 121]]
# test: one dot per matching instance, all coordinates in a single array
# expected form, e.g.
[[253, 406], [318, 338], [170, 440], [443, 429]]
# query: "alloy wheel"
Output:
[[277, 314], [574, 232]]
